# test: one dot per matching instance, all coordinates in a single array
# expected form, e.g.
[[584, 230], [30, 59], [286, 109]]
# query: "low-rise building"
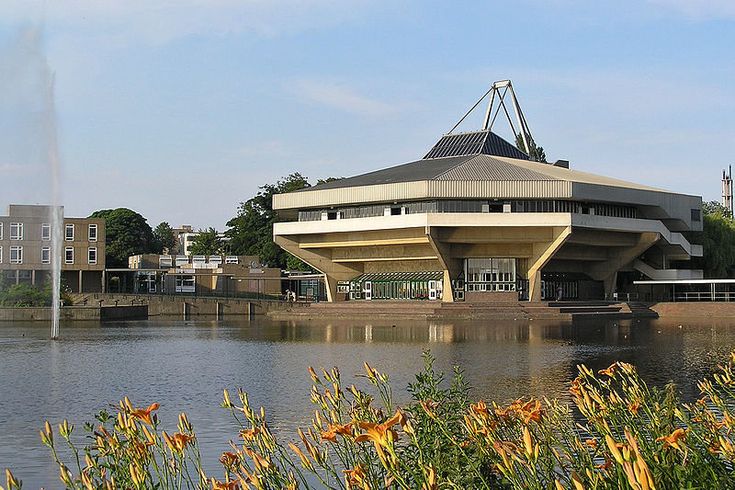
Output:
[[229, 275], [27, 248]]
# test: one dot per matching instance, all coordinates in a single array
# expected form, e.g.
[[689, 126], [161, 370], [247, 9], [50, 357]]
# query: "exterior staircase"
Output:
[[642, 310]]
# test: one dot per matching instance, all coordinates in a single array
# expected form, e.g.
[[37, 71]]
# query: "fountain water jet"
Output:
[[29, 139], [57, 211]]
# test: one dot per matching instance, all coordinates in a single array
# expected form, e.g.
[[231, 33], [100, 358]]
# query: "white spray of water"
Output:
[[30, 142], [57, 211]]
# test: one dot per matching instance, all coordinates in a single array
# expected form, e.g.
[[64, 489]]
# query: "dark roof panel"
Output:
[[478, 142], [495, 145]]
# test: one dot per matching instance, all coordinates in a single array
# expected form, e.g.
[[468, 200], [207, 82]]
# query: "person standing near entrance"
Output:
[[559, 292]]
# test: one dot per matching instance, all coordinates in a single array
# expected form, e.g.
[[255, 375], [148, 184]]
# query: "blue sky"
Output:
[[180, 109]]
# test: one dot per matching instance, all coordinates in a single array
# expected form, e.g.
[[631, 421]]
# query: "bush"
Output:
[[623, 434], [25, 295], [19, 295]]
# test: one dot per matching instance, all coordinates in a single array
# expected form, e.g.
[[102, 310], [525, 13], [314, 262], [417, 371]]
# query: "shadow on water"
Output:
[[184, 365]]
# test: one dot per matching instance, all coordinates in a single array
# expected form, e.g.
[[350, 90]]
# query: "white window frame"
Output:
[[18, 250], [91, 250], [67, 227], [92, 226], [1, 255], [45, 259], [66, 255], [1, 230], [16, 231], [45, 232]]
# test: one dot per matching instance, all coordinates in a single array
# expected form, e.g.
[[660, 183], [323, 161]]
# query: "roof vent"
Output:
[[562, 163]]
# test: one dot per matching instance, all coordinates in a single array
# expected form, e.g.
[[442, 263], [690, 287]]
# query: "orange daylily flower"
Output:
[[331, 433], [144, 414], [480, 408], [178, 441], [532, 411], [634, 407], [249, 434], [591, 443], [230, 485], [672, 440], [382, 435], [606, 465], [610, 370], [229, 459], [356, 478]]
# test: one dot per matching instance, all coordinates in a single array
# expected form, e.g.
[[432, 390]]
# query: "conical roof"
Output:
[[474, 143]]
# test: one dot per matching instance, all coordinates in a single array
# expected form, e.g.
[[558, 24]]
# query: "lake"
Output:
[[185, 365]]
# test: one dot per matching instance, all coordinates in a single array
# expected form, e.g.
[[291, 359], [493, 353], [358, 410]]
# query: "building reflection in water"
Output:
[[509, 359]]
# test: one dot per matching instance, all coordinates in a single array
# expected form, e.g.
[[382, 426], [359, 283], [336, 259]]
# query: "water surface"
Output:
[[184, 366]]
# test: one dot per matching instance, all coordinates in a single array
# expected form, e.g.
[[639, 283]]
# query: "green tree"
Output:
[[128, 233], [327, 180], [714, 207], [207, 242], [251, 231], [163, 234], [718, 241], [536, 153]]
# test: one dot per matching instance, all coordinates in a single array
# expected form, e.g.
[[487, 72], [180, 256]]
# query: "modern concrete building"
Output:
[[26, 248], [475, 219]]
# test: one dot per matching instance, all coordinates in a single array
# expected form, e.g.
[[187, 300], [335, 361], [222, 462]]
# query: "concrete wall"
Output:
[[189, 306], [491, 297], [704, 309]]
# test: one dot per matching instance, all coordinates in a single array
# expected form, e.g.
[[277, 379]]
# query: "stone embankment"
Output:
[[509, 310], [75, 313], [185, 306]]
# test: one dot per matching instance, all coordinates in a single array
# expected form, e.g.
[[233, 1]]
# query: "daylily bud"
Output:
[[65, 476], [65, 429]]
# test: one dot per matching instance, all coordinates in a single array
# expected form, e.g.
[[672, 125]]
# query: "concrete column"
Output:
[[80, 282], [609, 284], [33, 277]]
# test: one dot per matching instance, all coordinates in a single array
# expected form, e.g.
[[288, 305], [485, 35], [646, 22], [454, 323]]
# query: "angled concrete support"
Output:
[[452, 267], [608, 271], [542, 253], [321, 260]]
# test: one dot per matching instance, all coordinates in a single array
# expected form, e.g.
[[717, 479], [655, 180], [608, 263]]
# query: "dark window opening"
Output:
[[332, 215], [395, 211], [696, 215]]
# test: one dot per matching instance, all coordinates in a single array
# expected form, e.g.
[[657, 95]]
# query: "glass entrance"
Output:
[[398, 285], [490, 274]]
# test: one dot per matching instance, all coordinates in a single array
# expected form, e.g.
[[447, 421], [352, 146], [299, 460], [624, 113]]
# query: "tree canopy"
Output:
[[536, 153], [718, 241], [207, 242], [251, 231], [128, 233], [163, 234]]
